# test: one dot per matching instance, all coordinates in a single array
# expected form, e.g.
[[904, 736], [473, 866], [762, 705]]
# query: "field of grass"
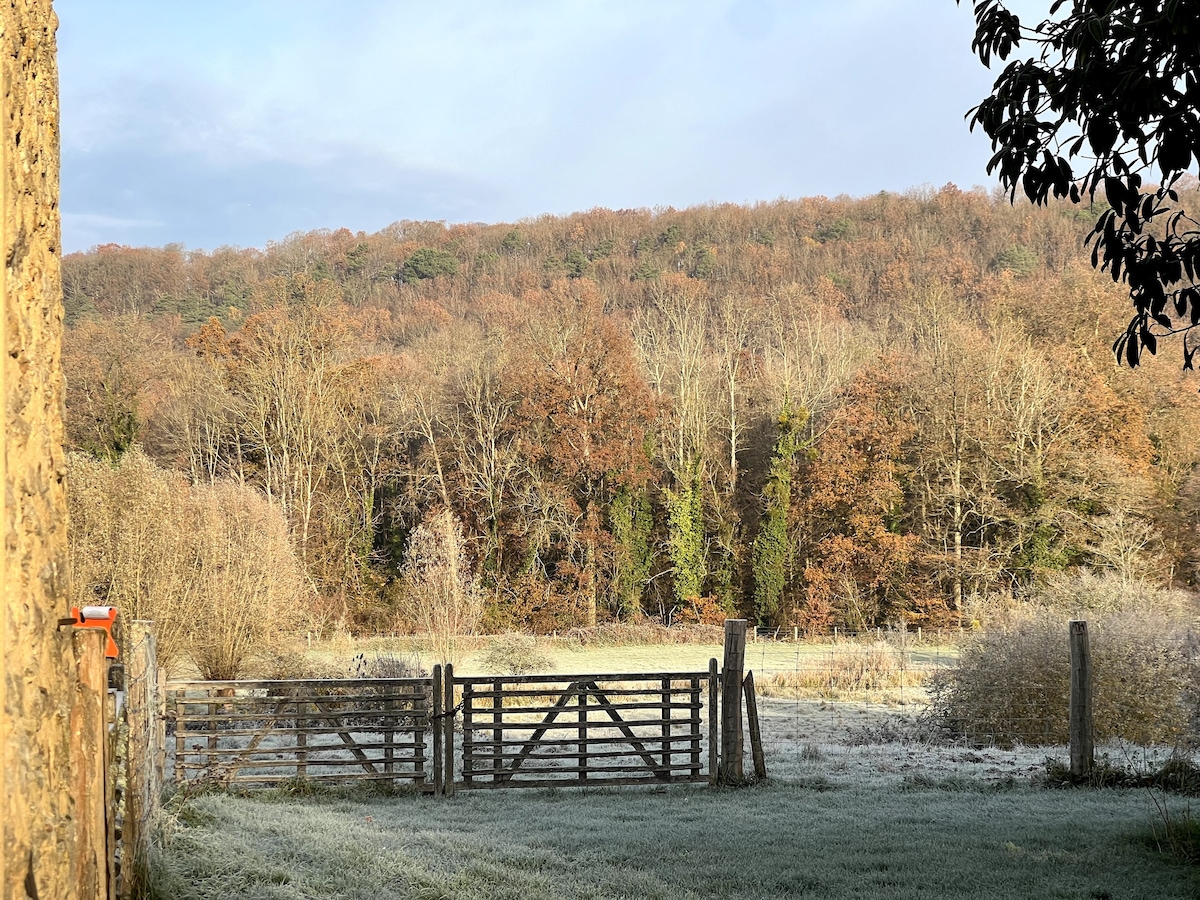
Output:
[[914, 838], [567, 656]]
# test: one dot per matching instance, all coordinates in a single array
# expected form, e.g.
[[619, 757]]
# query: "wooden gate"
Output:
[[266, 732], [560, 730]]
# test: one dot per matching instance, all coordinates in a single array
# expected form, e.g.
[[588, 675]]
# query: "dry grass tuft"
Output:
[[513, 653], [847, 669]]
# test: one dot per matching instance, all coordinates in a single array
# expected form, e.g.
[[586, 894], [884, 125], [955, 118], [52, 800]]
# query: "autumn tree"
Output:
[[859, 564], [582, 411], [114, 369]]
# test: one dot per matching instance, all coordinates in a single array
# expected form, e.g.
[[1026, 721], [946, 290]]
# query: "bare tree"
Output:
[[441, 592]]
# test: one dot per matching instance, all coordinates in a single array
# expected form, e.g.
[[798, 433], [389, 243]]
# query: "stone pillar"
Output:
[[38, 813]]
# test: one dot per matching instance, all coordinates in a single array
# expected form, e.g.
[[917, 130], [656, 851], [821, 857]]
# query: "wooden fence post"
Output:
[[1081, 733], [667, 696], [160, 715], [89, 745], [448, 730], [756, 746], [713, 720], [731, 701], [302, 739], [439, 722], [143, 790]]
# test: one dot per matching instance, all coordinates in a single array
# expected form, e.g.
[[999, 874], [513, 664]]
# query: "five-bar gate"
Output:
[[555, 730], [265, 732]]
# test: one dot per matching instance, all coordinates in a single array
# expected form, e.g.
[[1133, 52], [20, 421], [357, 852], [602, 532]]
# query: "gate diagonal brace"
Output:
[[364, 760], [236, 764], [628, 732]]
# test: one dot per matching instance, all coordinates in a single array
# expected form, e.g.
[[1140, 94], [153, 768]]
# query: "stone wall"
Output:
[[41, 828]]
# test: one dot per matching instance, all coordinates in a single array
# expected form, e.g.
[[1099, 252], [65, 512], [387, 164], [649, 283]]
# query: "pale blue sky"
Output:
[[240, 121]]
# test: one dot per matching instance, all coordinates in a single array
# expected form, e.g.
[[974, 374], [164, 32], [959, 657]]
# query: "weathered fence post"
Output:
[[1081, 699], [731, 702], [756, 746], [143, 790], [582, 734], [89, 743], [448, 730], [667, 697], [160, 717], [302, 738], [437, 714], [497, 729]]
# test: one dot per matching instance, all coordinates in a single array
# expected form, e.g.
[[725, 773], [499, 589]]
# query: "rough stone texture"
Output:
[[37, 810]]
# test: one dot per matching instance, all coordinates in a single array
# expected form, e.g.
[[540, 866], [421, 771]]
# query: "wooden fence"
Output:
[[116, 741], [516, 730], [92, 753], [554, 730], [266, 732]]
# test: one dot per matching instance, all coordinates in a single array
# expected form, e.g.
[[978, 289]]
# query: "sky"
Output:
[[238, 122]]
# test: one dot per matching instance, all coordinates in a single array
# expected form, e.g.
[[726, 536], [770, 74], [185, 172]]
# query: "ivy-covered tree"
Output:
[[772, 553], [631, 521], [685, 536]]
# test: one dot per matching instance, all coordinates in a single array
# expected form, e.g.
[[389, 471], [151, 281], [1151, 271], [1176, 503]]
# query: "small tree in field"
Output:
[[442, 596]]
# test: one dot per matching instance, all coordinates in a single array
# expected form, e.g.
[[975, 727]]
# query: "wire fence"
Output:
[[1000, 698]]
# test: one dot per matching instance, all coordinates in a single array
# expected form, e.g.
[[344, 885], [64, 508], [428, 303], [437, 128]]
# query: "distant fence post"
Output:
[[143, 785], [731, 702], [1081, 734]]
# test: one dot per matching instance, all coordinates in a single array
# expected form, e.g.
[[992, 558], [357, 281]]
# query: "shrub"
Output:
[[387, 665], [514, 653], [441, 593], [1013, 686], [211, 565]]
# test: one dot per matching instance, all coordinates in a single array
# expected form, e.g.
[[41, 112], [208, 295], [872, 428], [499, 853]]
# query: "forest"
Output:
[[816, 413]]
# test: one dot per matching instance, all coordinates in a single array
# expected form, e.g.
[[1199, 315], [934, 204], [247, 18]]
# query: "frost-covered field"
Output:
[[842, 816]]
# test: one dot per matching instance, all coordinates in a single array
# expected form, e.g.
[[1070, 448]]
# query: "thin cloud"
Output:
[[239, 123]]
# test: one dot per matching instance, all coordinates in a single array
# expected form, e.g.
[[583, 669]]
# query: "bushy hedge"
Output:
[[1012, 686]]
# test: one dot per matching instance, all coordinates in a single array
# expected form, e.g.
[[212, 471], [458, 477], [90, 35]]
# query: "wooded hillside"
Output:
[[819, 412]]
